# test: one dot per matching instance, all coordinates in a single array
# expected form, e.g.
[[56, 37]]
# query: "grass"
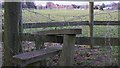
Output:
[[73, 15], [54, 15], [67, 15]]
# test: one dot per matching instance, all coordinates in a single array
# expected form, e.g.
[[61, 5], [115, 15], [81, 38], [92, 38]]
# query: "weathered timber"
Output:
[[119, 42], [12, 18], [20, 25], [35, 56], [68, 43], [58, 24], [67, 56], [58, 32], [91, 23], [39, 44], [79, 40]]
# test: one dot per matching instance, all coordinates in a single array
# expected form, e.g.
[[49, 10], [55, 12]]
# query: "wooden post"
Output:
[[39, 44], [91, 22], [67, 55], [12, 19], [118, 57]]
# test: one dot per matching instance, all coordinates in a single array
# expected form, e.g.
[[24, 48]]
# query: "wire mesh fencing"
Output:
[[106, 31], [43, 16]]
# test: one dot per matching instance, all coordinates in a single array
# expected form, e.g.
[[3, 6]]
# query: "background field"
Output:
[[67, 15], [35, 16]]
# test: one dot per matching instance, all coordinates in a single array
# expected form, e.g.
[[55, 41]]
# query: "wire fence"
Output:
[[36, 16], [40, 16], [44, 16], [107, 31]]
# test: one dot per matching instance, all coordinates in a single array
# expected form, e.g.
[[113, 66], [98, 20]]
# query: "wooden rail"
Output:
[[57, 24], [79, 40], [58, 32]]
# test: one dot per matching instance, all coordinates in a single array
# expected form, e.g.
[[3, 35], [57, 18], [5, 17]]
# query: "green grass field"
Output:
[[73, 15], [67, 15]]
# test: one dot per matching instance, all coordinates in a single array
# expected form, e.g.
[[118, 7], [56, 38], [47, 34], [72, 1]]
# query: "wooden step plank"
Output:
[[34, 56], [59, 31], [29, 55]]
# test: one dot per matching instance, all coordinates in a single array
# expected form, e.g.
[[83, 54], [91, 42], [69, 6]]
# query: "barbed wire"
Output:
[[44, 15], [66, 18]]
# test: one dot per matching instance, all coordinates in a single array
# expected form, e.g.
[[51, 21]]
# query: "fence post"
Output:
[[12, 13], [91, 22], [39, 44], [118, 57]]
